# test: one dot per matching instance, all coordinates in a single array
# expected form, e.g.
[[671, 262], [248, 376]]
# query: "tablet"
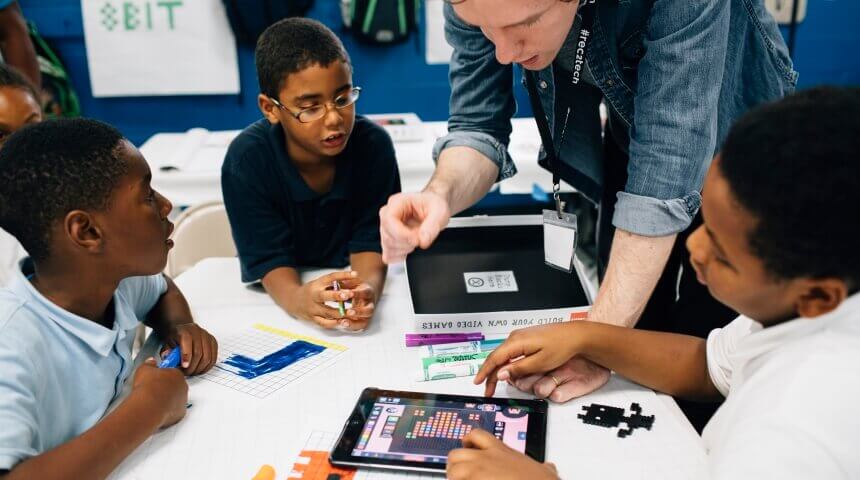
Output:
[[415, 431]]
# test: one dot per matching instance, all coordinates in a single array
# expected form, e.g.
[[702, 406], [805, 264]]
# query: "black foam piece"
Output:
[[612, 417]]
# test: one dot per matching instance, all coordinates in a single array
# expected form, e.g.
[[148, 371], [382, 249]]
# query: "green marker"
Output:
[[450, 366], [340, 306]]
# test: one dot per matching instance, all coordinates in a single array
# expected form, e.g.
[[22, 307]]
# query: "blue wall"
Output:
[[394, 78]]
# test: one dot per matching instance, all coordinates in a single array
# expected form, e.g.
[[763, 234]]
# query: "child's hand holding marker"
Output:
[[199, 349], [337, 289], [363, 305], [164, 389], [310, 299]]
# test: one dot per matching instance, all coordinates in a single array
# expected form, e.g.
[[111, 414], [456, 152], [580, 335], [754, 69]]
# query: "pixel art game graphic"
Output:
[[410, 430]]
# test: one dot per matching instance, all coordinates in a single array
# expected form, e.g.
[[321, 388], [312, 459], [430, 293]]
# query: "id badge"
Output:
[[559, 239]]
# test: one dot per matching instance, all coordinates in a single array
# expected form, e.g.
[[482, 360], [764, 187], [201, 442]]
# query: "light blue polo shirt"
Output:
[[58, 371]]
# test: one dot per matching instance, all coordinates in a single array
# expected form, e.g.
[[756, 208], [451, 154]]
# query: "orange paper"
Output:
[[318, 467]]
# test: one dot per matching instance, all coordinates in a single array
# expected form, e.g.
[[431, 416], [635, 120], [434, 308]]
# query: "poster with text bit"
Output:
[[159, 47]]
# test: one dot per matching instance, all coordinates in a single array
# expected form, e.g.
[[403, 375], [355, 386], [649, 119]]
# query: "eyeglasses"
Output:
[[317, 112]]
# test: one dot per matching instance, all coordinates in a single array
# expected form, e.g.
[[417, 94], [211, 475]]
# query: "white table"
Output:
[[194, 161], [228, 434]]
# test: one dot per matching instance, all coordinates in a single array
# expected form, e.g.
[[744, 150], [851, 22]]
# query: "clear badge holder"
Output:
[[559, 237]]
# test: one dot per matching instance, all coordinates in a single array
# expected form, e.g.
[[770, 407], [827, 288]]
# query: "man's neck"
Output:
[[84, 292]]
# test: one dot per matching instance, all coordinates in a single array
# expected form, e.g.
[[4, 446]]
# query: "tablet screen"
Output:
[[390, 428], [422, 431]]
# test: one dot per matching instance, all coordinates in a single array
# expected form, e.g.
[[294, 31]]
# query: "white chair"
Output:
[[202, 231]]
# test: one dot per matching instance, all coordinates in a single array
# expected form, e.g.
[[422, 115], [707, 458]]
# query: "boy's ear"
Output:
[[268, 108], [83, 231], [821, 296]]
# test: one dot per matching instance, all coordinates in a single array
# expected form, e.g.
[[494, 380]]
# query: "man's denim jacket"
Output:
[[676, 72]]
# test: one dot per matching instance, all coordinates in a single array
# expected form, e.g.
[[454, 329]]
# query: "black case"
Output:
[[436, 282]]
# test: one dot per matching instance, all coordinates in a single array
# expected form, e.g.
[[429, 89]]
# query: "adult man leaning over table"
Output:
[[673, 74]]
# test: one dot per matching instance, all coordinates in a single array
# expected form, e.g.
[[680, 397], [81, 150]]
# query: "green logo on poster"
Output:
[[141, 15]]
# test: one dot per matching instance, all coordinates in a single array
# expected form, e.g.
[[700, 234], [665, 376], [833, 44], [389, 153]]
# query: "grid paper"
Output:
[[324, 441], [259, 341]]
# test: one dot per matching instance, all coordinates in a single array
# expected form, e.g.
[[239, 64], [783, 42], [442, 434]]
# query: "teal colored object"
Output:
[[538, 194]]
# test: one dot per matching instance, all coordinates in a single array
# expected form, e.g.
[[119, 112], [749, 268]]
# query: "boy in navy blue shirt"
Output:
[[299, 191]]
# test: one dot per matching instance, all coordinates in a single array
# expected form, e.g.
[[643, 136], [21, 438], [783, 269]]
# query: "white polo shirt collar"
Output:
[[761, 340]]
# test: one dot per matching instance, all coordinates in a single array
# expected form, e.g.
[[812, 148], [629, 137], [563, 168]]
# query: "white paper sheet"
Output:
[[166, 47], [256, 343]]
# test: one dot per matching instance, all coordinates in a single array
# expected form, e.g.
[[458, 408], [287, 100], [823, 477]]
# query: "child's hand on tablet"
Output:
[[485, 457]]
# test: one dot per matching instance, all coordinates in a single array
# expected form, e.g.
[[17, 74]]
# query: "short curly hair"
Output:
[[290, 46], [51, 168], [11, 77], [793, 165]]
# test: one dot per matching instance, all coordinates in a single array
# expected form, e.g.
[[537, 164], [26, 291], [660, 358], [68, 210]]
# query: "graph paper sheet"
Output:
[[261, 343], [312, 464]]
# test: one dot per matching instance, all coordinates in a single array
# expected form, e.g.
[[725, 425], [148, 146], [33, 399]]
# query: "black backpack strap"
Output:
[[234, 12], [267, 11]]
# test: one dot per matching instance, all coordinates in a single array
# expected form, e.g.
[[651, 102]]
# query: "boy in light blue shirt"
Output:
[[77, 196]]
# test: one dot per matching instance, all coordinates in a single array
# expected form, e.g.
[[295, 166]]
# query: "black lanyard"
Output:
[[586, 12]]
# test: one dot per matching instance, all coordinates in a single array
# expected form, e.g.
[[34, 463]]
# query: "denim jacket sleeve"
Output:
[[674, 131], [482, 99]]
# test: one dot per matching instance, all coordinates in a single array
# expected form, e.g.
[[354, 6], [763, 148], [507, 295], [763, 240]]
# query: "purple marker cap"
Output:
[[419, 339]]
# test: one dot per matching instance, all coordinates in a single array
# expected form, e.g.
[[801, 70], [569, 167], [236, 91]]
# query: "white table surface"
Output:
[[198, 155], [228, 434]]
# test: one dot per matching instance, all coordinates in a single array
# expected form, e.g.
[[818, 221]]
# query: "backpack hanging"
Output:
[[249, 18], [381, 21], [63, 100]]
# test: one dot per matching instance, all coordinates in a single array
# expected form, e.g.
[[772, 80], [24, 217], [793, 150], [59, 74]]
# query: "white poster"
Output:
[[438, 51], [159, 47]]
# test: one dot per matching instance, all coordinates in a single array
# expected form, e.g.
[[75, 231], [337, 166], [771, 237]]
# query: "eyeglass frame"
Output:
[[325, 105]]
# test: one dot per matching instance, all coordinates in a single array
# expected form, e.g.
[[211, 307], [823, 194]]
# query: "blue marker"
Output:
[[172, 359]]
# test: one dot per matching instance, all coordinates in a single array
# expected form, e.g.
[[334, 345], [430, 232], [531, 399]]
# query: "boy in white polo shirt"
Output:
[[778, 245], [76, 194]]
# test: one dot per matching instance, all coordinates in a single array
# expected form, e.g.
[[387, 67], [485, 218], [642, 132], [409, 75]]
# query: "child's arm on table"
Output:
[[670, 363], [307, 302], [157, 400], [171, 320]]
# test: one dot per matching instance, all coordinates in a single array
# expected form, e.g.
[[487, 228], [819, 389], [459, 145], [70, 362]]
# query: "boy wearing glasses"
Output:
[[303, 186]]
